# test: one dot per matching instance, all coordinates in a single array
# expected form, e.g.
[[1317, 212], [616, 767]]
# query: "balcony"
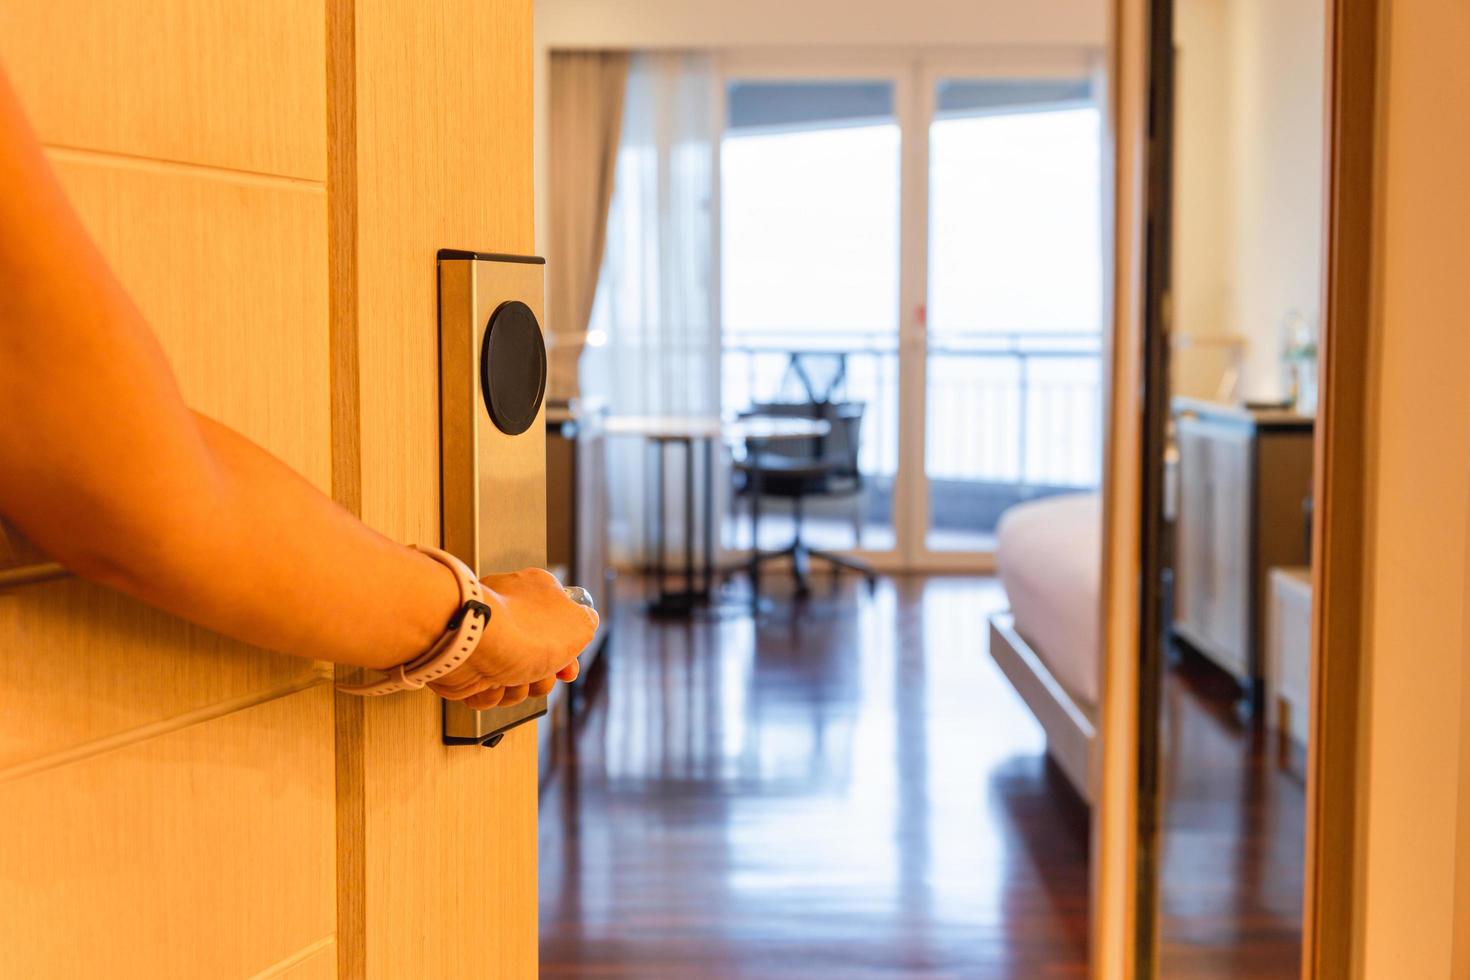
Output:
[[1008, 417]]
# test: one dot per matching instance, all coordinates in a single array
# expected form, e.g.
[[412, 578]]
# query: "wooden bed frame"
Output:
[[1070, 727]]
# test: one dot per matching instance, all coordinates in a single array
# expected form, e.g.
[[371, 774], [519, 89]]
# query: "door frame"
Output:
[[1337, 749], [913, 73]]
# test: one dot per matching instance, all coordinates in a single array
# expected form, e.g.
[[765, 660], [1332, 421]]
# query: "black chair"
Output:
[[795, 469], [814, 378]]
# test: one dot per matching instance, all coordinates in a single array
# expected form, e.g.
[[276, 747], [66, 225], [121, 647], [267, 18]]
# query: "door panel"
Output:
[[144, 669], [173, 812], [204, 809], [438, 876], [314, 963], [202, 851], [232, 274], [234, 85]]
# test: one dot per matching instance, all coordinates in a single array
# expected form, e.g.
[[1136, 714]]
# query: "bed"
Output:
[[1049, 556]]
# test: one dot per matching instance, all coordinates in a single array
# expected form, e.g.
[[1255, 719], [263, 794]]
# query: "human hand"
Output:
[[532, 640]]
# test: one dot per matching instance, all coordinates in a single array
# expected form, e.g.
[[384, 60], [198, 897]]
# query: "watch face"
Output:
[[513, 367]]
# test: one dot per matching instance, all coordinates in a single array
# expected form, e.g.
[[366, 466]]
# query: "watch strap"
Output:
[[461, 637]]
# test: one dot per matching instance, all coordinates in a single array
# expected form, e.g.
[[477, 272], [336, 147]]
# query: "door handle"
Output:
[[464, 725]]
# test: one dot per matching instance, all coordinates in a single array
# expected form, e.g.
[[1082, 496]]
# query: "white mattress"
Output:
[[1049, 554]]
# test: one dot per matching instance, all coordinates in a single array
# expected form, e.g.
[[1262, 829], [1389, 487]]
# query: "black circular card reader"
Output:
[[513, 367]]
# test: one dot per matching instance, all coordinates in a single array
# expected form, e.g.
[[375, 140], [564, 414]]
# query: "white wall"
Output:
[[763, 23], [1202, 187], [1248, 231]]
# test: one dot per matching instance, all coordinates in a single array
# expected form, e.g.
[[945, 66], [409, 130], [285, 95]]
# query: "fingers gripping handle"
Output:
[[464, 725]]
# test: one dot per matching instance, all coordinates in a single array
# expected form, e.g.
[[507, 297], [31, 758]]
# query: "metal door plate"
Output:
[[491, 480]]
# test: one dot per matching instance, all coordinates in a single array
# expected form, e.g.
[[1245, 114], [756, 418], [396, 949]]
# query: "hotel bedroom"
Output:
[[904, 245], [1233, 586], [925, 394]]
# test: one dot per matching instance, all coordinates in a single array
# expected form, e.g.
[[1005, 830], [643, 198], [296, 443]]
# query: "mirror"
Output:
[[1235, 275]]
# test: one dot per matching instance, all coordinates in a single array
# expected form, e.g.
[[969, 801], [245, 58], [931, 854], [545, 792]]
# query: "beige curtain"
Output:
[[657, 303], [586, 91]]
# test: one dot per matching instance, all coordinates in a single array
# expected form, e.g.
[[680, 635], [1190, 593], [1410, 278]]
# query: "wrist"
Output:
[[429, 599], [455, 643]]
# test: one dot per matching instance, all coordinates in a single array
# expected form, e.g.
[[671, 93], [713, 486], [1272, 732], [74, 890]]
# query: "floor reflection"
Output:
[[849, 790], [1232, 842]]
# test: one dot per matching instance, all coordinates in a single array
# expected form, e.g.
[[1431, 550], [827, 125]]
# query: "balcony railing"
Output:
[[1017, 409]]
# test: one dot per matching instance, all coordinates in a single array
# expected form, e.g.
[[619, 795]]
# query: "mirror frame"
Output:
[[1125, 914]]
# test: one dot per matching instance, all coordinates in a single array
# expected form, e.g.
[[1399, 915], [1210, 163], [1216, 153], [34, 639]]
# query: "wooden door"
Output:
[[173, 814], [440, 157], [271, 181]]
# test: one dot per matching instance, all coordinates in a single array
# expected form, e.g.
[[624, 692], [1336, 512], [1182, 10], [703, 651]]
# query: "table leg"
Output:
[[689, 595], [709, 517], [755, 535], [659, 516]]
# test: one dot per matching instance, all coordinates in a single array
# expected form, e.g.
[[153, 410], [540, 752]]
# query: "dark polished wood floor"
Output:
[[849, 792], [1233, 840], [853, 791]]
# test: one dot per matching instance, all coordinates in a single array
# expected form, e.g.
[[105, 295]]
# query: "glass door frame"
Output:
[[915, 76], [930, 69]]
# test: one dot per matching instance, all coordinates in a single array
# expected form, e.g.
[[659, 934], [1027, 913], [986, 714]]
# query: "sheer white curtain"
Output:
[[654, 344]]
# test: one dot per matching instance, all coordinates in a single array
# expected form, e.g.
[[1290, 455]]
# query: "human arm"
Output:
[[104, 467]]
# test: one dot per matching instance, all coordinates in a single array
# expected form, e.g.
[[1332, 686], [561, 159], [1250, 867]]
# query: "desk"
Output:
[[687, 431]]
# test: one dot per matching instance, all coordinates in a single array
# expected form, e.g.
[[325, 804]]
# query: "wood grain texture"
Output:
[[172, 813], [710, 735], [231, 273], [205, 852], [144, 667], [451, 845], [844, 789], [1460, 954], [233, 85], [437, 154], [1418, 497], [342, 253], [1230, 836], [342, 210], [1336, 757], [315, 962], [1115, 814], [443, 161]]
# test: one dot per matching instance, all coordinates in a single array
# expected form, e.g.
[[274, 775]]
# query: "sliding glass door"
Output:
[[920, 244], [809, 256], [1012, 388]]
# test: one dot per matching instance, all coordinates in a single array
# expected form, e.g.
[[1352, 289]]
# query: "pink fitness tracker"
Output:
[[459, 641]]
